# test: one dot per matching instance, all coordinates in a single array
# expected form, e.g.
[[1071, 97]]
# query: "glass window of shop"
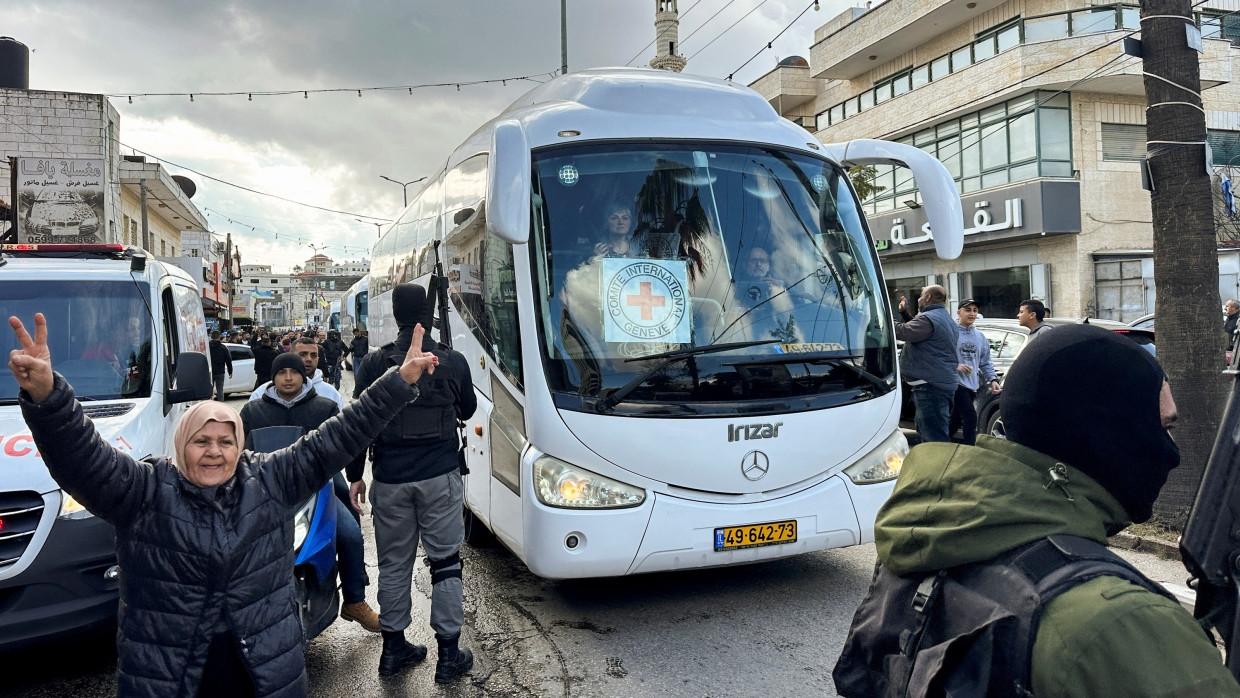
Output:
[[1016, 31], [1020, 139]]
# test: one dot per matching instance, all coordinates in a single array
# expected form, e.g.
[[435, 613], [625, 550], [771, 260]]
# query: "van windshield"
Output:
[[704, 278], [99, 334]]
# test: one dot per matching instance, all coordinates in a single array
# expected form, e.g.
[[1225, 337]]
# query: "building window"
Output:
[[1024, 138], [163, 249], [1010, 34], [1123, 142]]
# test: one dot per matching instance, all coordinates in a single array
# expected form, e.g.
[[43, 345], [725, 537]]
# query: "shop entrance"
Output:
[[998, 292], [909, 287]]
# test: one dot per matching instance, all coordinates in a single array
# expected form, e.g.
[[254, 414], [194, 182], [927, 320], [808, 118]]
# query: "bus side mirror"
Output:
[[193, 378], [508, 189], [938, 190]]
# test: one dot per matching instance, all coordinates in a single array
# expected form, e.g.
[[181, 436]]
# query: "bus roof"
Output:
[[611, 103]]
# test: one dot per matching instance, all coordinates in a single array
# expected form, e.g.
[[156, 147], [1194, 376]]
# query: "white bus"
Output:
[[653, 395], [353, 309]]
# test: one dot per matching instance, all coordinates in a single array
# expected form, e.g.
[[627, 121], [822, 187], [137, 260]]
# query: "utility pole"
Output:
[[1190, 333], [563, 37], [146, 235], [228, 275]]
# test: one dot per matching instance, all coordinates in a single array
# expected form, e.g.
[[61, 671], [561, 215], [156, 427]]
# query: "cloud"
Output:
[[330, 149]]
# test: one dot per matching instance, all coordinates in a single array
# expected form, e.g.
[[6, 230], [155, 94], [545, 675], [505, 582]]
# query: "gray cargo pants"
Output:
[[430, 510]]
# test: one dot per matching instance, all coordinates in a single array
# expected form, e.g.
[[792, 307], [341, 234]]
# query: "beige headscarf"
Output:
[[196, 417]]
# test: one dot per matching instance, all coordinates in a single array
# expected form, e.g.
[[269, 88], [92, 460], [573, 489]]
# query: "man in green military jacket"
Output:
[[1095, 409]]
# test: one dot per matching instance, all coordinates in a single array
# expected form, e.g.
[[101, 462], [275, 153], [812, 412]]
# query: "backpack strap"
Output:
[[1058, 563]]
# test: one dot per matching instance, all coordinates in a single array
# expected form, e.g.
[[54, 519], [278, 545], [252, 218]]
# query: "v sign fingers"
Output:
[[32, 364]]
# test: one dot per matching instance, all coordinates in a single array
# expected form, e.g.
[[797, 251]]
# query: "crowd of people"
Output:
[[204, 535], [333, 354]]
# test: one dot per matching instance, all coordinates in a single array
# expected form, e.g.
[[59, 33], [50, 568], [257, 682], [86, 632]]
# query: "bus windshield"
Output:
[[650, 258], [98, 332]]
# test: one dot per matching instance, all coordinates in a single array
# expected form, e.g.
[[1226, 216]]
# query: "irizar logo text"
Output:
[[745, 432]]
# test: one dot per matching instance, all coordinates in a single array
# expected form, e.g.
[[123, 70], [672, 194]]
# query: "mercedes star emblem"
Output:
[[754, 465]]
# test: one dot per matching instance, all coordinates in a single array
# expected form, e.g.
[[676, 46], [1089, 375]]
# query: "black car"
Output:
[[1007, 338]]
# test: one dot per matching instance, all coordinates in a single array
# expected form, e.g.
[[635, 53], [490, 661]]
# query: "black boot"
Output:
[[454, 661], [398, 653]]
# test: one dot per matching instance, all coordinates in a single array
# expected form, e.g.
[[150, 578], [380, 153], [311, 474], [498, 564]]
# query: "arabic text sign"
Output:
[[645, 300], [982, 223], [59, 200]]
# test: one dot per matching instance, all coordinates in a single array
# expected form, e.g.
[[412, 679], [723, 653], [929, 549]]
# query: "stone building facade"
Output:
[[48, 124], [1038, 114]]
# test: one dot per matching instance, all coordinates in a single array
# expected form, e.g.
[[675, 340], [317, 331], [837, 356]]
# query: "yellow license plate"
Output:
[[755, 535]]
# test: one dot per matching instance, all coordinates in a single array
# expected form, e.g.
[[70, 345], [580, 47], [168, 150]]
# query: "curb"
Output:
[[1160, 548]]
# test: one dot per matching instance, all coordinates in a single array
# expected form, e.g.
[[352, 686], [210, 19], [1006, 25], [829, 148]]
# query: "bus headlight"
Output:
[[881, 464], [71, 508], [559, 484], [301, 522]]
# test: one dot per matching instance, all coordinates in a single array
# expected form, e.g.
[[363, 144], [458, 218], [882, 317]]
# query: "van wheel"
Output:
[[476, 533]]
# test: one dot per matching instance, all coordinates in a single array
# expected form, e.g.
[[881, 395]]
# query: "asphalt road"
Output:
[[762, 630]]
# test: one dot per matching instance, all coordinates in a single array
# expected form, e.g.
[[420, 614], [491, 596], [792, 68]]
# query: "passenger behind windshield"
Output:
[[617, 224]]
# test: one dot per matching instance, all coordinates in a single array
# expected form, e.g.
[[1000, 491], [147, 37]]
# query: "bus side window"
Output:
[[499, 295]]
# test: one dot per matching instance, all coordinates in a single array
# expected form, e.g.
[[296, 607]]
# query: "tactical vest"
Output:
[[430, 418], [968, 630]]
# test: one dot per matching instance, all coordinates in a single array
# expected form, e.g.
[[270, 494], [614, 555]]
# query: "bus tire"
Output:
[[476, 533]]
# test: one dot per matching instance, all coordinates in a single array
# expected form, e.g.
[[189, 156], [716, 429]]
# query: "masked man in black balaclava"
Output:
[[1087, 413], [417, 494]]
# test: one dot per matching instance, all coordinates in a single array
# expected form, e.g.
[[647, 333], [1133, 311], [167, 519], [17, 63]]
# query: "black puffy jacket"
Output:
[[183, 549]]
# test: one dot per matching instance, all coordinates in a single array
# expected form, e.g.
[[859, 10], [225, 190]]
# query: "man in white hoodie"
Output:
[[973, 352]]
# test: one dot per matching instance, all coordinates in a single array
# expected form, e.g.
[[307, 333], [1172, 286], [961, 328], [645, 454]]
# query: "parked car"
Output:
[[1007, 338], [243, 377]]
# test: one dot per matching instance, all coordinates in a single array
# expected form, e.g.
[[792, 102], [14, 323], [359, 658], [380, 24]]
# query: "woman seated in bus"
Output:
[[617, 225]]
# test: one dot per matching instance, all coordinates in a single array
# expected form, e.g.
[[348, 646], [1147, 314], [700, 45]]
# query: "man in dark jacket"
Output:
[[331, 353], [1087, 450], [1231, 322], [928, 361], [263, 356], [292, 401], [220, 360], [358, 347], [418, 493]]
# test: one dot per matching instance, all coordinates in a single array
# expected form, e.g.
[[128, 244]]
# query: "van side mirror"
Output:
[[193, 378], [508, 189]]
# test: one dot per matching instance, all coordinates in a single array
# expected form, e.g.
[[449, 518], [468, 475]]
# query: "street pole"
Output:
[[404, 185], [146, 236], [563, 37], [1190, 333], [228, 275]]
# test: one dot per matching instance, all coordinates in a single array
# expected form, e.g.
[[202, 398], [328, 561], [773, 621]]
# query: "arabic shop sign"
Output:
[[1019, 211], [982, 223], [59, 200]]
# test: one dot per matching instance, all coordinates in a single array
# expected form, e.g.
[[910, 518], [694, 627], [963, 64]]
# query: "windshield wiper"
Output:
[[605, 404], [844, 362]]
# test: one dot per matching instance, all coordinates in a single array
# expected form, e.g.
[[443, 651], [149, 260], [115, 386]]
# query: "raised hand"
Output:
[[32, 364], [416, 360]]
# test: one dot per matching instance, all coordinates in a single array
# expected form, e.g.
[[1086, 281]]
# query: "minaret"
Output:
[[666, 31]]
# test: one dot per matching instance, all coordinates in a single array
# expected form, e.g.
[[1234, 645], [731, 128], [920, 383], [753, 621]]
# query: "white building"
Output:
[[1040, 117]]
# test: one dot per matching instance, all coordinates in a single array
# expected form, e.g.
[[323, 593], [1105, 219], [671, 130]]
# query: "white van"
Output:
[[118, 324]]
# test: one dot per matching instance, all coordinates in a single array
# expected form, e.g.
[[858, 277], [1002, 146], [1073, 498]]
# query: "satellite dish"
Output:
[[187, 185]]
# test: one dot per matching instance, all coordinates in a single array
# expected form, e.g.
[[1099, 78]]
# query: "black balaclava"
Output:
[[408, 304], [288, 360], [1089, 397]]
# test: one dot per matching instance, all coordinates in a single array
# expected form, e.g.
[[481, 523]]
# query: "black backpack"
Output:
[[968, 630]]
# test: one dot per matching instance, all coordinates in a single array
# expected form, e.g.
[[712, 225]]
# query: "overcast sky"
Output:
[[330, 149]]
